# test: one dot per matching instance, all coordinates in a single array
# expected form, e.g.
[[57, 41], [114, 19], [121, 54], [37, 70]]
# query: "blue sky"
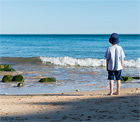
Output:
[[69, 16]]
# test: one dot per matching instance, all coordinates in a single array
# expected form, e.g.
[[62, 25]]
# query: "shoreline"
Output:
[[72, 106], [124, 91], [67, 79]]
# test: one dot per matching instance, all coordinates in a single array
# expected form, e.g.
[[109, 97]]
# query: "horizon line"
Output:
[[74, 34]]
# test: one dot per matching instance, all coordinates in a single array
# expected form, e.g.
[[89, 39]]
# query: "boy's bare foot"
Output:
[[110, 94], [116, 93]]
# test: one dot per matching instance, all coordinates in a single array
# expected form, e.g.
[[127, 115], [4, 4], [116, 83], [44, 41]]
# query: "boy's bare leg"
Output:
[[118, 88], [111, 87]]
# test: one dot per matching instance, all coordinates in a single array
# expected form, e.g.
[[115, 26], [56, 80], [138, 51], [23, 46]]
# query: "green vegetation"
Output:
[[126, 78], [18, 78], [6, 67], [10, 78], [7, 78], [48, 79], [136, 77]]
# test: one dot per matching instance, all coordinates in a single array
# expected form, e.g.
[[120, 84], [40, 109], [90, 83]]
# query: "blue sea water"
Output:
[[75, 46], [76, 61]]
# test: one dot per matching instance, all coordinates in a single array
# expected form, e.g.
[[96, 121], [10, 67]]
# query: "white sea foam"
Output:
[[132, 63], [68, 61]]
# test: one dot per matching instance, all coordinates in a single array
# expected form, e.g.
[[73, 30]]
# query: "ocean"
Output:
[[77, 61]]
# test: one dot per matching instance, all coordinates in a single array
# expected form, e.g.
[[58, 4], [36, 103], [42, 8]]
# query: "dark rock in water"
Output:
[[10, 78], [77, 90], [7, 78], [48, 79], [6, 67], [18, 78], [20, 85], [136, 77], [126, 78]]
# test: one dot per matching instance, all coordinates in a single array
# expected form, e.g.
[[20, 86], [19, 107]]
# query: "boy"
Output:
[[114, 62]]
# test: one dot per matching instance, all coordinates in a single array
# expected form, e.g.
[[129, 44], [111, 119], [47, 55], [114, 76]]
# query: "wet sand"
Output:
[[76, 106]]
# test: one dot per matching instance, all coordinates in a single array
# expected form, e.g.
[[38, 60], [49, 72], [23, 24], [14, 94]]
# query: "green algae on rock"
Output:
[[47, 79], [138, 77], [10, 78], [18, 78], [6, 67], [7, 78], [126, 78]]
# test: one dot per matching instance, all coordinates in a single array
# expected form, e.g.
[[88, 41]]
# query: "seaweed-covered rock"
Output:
[[138, 77], [6, 67], [7, 78], [126, 78], [18, 78], [20, 85], [48, 79]]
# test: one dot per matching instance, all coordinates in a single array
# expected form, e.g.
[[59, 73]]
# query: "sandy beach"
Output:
[[76, 106]]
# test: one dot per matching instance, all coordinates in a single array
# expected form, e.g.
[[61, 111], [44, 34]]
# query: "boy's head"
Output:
[[114, 38]]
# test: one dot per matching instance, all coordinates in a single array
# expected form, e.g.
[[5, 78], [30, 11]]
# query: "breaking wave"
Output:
[[65, 61], [69, 61]]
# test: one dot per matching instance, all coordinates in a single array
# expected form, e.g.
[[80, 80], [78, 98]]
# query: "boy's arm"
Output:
[[122, 58], [122, 63], [107, 60]]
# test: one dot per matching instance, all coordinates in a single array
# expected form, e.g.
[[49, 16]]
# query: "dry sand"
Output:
[[79, 106]]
